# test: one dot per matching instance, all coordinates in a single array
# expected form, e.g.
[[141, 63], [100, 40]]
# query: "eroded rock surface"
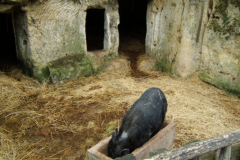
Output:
[[221, 50]]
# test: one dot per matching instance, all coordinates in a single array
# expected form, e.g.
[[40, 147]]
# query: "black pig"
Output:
[[139, 124]]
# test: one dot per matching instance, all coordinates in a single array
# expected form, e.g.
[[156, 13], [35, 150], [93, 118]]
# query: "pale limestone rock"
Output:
[[54, 29], [147, 64], [221, 56], [174, 35]]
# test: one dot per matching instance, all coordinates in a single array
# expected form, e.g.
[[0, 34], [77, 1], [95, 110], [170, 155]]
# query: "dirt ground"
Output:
[[44, 121]]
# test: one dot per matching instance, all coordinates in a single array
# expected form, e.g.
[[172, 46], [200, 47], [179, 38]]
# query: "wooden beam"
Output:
[[198, 148]]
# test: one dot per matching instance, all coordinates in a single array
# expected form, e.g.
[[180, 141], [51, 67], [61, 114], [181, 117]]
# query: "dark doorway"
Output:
[[8, 56], [133, 18], [132, 29], [95, 29]]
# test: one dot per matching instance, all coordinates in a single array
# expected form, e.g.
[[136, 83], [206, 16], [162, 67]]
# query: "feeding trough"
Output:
[[163, 139]]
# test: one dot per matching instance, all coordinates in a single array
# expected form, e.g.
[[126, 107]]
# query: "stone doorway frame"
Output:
[[104, 31]]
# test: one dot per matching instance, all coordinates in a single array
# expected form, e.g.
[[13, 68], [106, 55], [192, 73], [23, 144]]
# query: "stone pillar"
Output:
[[174, 34]]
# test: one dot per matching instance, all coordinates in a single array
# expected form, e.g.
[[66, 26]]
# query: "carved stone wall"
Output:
[[186, 37], [197, 36], [175, 31], [220, 60], [50, 30]]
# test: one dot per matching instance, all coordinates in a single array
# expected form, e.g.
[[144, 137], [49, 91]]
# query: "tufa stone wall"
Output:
[[220, 60], [175, 34], [51, 30], [186, 37], [197, 36]]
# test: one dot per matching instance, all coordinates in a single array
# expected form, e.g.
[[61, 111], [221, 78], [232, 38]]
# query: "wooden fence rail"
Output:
[[221, 144]]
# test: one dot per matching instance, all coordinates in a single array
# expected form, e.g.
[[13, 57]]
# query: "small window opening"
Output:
[[95, 29]]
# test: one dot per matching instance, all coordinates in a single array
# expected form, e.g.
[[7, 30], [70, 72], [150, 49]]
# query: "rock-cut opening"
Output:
[[8, 56], [95, 29], [133, 15], [132, 30]]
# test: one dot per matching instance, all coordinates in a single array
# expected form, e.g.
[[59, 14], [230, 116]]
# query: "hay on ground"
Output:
[[41, 121]]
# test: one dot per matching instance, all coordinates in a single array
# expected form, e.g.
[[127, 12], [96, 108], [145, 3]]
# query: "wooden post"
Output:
[[224, 153], [199, 148]]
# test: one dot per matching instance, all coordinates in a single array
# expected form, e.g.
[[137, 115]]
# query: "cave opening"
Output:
[[95, 29], [132, 30], [8, 55]]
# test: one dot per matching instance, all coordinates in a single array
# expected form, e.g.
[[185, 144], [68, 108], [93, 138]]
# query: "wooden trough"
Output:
[[163, 139]]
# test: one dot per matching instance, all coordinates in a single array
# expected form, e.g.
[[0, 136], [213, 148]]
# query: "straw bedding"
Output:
[[42, 121]]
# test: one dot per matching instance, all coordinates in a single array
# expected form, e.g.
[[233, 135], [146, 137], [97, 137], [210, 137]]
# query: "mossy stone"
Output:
[[230, 88], [164, 66], [69, 67]]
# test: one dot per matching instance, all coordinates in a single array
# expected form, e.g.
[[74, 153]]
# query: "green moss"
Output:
[[63, 69], [69, 67], [45, 72], [220, 83], [164, 66], [205, 77], [41, 73], [105, 62], [224, 23]]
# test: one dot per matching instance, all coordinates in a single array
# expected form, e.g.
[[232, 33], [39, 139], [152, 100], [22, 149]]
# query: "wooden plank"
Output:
[[196, 149], [224, 153]]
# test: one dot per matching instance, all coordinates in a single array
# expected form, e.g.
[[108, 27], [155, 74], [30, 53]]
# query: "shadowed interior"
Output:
[[132, 30], [95, 29], [8, 57]]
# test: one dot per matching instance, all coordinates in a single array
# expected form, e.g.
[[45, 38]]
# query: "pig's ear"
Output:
[[125, 152], [114, 134]]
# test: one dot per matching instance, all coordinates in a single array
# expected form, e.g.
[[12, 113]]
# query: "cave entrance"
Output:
[[132, 30], [95, 29], [8, 55]]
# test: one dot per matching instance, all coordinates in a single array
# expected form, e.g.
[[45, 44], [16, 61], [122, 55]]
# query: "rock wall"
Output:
[[23, 49], [56, 29], [220, 63], [174, 36], [187, 38], [197, 36]]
